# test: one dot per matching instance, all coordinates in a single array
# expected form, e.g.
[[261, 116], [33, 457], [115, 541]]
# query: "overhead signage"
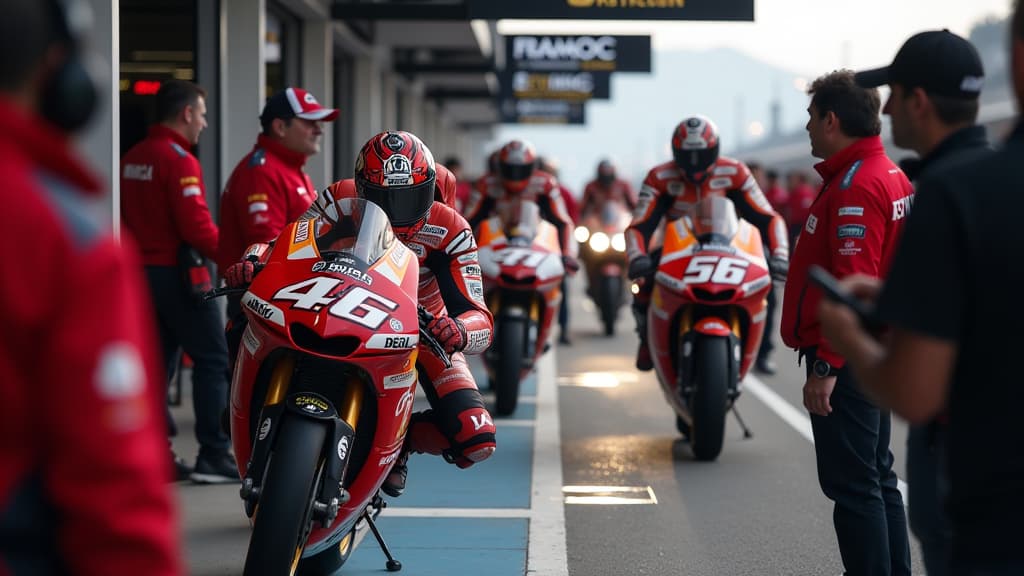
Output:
[[729, 10], [547, 53], [558, 112], [577, 86]]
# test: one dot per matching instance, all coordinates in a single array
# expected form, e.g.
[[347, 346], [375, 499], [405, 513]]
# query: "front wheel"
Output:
[[285, 510], [611, 299], [511, 340], [710, 397]]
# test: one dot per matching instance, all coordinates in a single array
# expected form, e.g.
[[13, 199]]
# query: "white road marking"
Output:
[[413, 512], [791, 415], [546, 553]]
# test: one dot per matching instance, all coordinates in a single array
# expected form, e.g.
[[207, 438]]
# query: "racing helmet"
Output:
[[695, 147], [516, 163], [605, 172], [395, 171]]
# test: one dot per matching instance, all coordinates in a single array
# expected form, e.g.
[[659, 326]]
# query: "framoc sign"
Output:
[[577, 86], [737, 10], [545, 53]]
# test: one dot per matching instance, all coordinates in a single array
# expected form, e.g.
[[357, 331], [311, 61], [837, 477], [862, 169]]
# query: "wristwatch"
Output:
[[823, 369]]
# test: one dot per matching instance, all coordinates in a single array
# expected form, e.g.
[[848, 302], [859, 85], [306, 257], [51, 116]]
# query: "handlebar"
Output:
[[427, 337], [223, 291]]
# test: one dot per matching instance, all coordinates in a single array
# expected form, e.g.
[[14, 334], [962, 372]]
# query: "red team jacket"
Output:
[[83, 454], [853, 227], [267, 190], [163, 199]]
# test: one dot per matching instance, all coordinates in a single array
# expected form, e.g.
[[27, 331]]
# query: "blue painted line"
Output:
[[501, 481], [445, 546]]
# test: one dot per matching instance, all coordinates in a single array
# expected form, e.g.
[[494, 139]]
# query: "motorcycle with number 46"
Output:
[[323, 387], [706, 318], [522, 268]]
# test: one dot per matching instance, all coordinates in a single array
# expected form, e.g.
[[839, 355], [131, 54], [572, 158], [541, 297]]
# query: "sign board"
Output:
[[576, 86], [731, 10], [559, 112], [548, 53]]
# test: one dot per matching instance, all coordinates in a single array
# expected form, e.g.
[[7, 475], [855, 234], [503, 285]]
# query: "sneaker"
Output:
[[182, 471], [394, 484], [564, 340], [644, 362], [765, 365], [215, 470]]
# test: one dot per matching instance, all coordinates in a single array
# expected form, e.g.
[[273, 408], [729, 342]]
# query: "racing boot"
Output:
[[644, 363], [394, 484]]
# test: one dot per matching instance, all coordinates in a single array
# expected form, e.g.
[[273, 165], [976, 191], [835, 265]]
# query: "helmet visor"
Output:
[[695, 162], [404, 206], [516, 172]]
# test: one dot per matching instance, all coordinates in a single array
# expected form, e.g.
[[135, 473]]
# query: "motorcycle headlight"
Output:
[[619, 242], [582, 234], [599, 242]]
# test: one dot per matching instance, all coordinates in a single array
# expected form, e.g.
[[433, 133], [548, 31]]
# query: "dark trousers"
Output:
[[767, 343], [198, 329], [855, 472], [927, 489], [563, 308]]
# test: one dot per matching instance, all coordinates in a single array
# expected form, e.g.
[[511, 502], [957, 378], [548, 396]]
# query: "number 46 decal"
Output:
[[353, 305], [718, 269]]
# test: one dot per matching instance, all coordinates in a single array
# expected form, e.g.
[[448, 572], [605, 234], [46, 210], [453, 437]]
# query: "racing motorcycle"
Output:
[[602, 240], [522, 268], [323, 387], [706, 317]]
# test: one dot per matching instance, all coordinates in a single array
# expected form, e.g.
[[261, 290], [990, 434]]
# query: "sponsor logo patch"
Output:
[[717, 183], [256, 198], [812, 223], [848, 179], [119, 373], [138, 172], [403, 380], [344, 269], [392, 342], [851, 231], [468, 257], [901, 208], [252, 343], [849, 248], [851, 211], [476, 290], [258, 207], [471, 271], [189, 191], [264, 429], [186, 180], [302, 231]]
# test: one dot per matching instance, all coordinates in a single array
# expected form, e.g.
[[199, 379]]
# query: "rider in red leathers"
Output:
[[518, 178], [606, 188], [396, 171], [671, 188]]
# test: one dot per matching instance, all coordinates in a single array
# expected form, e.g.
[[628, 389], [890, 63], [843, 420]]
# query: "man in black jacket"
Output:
[[935, 80]]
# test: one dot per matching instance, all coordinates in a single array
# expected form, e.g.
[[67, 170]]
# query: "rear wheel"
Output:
[[511, 340], [285, 510], [710, 397]]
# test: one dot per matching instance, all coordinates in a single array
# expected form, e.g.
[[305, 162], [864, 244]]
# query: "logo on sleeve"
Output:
[[848, 179], [851, 211], [901, 208], [851, 231], [812, 224]]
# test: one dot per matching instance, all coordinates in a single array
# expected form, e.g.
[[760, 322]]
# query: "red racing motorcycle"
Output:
[[323, 387], [521, 265], [602, 240], [706, 317]]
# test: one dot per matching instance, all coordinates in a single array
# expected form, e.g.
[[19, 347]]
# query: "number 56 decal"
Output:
[[717, 269], [353, 305]]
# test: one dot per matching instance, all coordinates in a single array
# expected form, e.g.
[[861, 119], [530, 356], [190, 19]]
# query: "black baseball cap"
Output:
[[938, 61]]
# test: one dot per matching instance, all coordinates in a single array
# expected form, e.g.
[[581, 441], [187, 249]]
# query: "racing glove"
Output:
[[572, 265], [779, 268], [640, 267], [450, 332], [240, 274]]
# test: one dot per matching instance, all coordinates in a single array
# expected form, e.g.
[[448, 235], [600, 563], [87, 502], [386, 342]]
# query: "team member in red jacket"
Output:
[[163, 204], [671, 188], [268, 189], [83, 456], [852, 228], [396, 171]]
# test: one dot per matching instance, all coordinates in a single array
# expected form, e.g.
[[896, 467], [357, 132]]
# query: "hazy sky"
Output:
[[805, 37]]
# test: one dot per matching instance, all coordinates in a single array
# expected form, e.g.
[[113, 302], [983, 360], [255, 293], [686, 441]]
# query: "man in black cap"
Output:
[[936, 79]]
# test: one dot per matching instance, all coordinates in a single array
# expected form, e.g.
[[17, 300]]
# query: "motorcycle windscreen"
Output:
[[520, 220], [356, 227], [714, 218]]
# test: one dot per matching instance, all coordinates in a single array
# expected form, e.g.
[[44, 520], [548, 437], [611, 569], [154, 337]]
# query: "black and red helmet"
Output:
[[695, 147], [516, 162], [606, 172], [395, 171]]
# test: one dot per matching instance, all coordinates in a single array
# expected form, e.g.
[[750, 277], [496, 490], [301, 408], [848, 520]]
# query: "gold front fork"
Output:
[[280, 379], [352, 404]]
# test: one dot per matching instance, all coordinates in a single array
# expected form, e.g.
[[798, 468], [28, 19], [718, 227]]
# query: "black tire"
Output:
[[683, 428], [710, 397], [282, 521], [611, 297], [511, 340]]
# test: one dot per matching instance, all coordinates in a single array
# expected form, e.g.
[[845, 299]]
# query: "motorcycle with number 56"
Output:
[[706, 317], [323, 387]]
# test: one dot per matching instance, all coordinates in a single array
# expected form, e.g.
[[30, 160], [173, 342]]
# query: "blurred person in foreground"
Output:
[[777, 196], [462, 186], [853, 228], [798, 206], [672, 188], [936, 80], [83, 454], [163, 205], [940, 355], [572, 207]]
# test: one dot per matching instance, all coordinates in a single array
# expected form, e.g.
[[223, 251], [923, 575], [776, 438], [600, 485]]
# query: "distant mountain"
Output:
[[635, 126]]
